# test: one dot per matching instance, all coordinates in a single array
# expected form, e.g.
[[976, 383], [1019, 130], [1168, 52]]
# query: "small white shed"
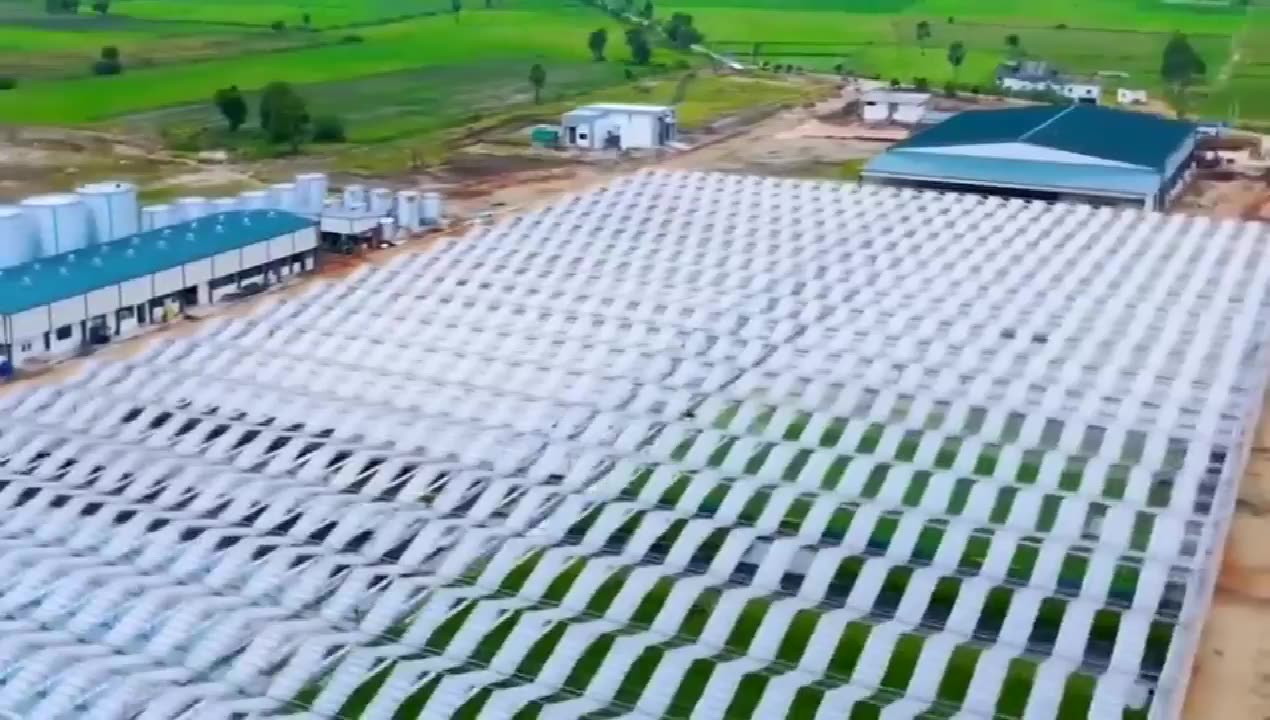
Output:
[[618, 126], [902, 106], [1127, 96]]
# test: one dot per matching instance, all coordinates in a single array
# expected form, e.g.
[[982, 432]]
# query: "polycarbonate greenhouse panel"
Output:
[[688, 446]]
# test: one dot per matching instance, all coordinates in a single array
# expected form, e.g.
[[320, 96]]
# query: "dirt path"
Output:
[[1231, 675]]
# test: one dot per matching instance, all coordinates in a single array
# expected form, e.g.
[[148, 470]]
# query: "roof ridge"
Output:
[[1042, 126]]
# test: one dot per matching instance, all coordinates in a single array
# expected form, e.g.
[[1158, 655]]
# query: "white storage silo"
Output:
[[17, 237], [407, 210], [191, 208], [225, 204], [60, 222], [253, 199], [354, 197], [312, 188], [381, 201], [154, 217], [387, 229], [112, 210], [282, 196], [430, 208]]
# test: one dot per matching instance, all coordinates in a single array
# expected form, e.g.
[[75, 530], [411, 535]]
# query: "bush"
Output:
[[682, 64], [107, 67], [921, 83], [277, 26], [950, 89], [329, 129], [8, 82], [352, 39]]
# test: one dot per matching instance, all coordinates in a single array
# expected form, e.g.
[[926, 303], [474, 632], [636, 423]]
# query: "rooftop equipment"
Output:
[[60, 221], [112, 210], [17, 240]]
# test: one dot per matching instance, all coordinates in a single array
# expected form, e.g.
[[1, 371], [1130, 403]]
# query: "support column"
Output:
[[204, 293]]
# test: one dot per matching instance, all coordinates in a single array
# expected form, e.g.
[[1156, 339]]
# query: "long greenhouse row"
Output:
[[688, 446]]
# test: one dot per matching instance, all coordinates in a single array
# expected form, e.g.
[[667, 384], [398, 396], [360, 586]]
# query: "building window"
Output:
[[25, 346], [64, 332]]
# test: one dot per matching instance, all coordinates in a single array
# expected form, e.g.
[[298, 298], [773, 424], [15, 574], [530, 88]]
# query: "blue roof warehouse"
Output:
[[54, 304], [1075, 152]]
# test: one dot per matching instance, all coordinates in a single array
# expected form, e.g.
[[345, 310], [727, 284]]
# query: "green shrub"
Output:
[[329, 129], [8, 82]]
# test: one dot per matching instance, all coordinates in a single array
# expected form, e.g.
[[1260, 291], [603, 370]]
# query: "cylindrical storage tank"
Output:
[[60, 221], [354, 197], [313, 188], [225, 204], [282, 196], [387, 229], [112, 210], [253, 200], [17, 237], [191, 208], [154, 217], [407, 210], [430, 208], [381, 201]]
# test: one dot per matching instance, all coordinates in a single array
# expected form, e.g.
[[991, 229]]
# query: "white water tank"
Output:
[[312, 189], [191, 208], [112, 210], [17, 237], [282, 196], [253, 199], [225, 204], [407, 210], [387, 229], [154, 217], [381, 201], [430, 208], [354, 197], [60, 221]]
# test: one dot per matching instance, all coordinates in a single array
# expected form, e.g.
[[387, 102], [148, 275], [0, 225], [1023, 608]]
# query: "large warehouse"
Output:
[[1076, 152], [688, 446], [51, 305]]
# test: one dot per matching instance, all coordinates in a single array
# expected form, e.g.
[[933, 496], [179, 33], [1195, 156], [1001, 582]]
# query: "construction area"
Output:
[[671, 447]]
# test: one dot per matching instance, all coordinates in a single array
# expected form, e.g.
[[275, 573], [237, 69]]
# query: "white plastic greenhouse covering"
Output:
[[688, 446]]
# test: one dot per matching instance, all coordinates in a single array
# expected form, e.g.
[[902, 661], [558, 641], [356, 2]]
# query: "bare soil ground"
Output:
[[1236, 197]]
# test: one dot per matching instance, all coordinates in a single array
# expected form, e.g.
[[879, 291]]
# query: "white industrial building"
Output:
[[618, 126], [905, 107], [1039, 76], [52, 305], [772, 448]]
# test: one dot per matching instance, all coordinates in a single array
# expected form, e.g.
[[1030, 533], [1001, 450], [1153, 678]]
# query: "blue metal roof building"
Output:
[[54, 300], [1081, 152]]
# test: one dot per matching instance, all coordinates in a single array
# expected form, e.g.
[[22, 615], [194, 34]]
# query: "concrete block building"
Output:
[[1077, 152], [619, 126], [51, 306]]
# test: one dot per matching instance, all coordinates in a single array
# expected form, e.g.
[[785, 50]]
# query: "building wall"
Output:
[[62, 327], [638, 130], [1027, 193], [1075, 91]]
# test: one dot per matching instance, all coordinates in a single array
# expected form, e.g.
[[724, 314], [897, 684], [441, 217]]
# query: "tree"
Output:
[[101, 7], [681, 31], [956, 55], [232, 105], [329, 129], [596, 42], [277, 26], [457, 7], [923, 34], [283, 114], [110, 62], [647, 12], [641, 51], [306, 20], [537, 78], [1014, 44], [1180, 66]]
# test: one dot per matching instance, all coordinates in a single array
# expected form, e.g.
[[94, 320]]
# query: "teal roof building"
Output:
[[1076, 152]]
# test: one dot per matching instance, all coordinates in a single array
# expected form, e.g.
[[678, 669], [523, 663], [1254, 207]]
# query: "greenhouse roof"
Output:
[[71, 274], [687, 446], [1134, 138]]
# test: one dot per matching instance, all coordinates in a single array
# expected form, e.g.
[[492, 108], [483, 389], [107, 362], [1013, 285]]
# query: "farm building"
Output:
[[899, 106], [689, 445], [1072, 153], [1039, 76], [1129, 96], [52, 305], [619, 126]]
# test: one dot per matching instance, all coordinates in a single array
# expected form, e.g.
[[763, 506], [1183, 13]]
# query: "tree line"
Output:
[[282, 113]]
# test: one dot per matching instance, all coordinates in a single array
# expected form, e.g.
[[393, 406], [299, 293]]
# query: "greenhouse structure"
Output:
[[690, 445]]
